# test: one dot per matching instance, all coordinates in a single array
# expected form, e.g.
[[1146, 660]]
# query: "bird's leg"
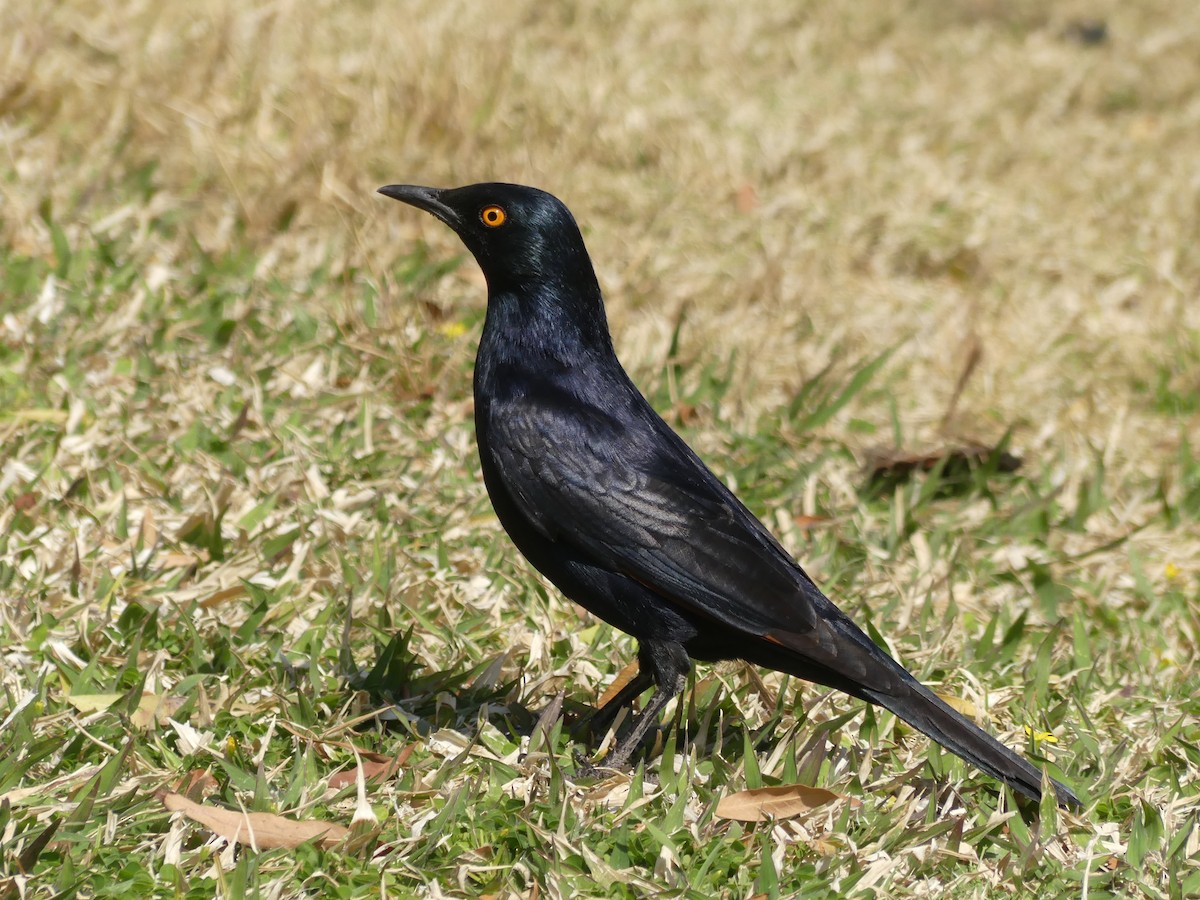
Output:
[[597, 723], [668, 664], [600, 720]]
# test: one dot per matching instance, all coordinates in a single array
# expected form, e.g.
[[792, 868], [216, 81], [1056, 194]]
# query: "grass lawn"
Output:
[[246, 558]]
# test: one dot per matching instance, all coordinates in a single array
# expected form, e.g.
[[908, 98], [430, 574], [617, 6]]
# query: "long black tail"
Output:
[[836, 652], [929, 714]]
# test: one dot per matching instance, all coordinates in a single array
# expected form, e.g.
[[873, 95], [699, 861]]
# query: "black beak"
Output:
[[426, 198]]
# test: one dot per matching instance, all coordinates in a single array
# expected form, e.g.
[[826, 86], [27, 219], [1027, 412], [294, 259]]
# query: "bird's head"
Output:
[[523, 238]]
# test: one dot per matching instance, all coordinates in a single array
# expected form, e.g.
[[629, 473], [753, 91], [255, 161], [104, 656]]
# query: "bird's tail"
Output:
[[928, 713], [838, 654]]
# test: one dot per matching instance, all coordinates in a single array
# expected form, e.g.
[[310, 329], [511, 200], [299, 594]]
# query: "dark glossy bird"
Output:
[[610, 504]]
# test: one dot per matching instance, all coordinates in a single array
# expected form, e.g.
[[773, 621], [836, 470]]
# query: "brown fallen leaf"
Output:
[[174, 559], [623, 678], [222, 595], [262, 831], [195, 784], [684, 413], [805, 523], [747, 199], [374, 768], [782, 802]]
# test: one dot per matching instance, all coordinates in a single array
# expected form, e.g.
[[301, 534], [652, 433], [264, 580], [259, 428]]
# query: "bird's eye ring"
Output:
[[493, 216]]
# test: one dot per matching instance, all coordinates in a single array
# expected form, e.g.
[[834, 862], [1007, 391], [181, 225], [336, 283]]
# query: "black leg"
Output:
[[600, 720], [667, 664]]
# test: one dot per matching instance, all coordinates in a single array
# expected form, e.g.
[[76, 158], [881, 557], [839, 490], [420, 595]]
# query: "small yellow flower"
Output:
[[453, 329], [1172, 571], [231, 744], [1040, 737]]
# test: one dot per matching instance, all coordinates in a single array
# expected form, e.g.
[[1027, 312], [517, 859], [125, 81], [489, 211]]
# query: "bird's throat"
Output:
[[545, 324]]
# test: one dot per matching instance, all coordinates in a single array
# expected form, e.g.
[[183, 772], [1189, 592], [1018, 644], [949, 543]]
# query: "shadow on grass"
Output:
[[422, 702], [710, 721]]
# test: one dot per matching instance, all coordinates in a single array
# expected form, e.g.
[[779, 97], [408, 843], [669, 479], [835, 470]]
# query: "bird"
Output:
[[611, 505]]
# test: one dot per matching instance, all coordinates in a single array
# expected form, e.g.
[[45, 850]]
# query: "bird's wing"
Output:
[[636, 500]]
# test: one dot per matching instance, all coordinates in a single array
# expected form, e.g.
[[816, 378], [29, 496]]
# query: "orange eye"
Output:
[[493, 216]]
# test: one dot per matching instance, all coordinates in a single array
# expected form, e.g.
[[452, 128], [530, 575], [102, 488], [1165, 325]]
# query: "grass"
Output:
[[239, 498]]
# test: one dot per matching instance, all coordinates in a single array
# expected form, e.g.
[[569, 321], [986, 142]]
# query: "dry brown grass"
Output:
[[844, 174], [810, 184]]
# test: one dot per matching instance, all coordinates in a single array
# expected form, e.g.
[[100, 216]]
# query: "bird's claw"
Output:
[[585, 768]]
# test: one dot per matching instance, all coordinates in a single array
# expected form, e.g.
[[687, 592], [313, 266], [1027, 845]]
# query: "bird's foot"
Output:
[[585, 768]]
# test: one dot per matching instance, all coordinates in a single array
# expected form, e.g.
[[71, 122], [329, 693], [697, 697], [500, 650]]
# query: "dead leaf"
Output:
[[782, 802], [154, 709], [151, 708], [263, 831], [765, 693], [18, 796], [747, 199], [804, 522], [887, 468], [177, 560], [149, 531], [221, 596], [374, 768], [685, 413], [195, 784], [90, 703], [960, 705], [826, 848], [623, 678]]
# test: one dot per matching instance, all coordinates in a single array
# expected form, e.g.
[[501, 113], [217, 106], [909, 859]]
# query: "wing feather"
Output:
[[638, 501]]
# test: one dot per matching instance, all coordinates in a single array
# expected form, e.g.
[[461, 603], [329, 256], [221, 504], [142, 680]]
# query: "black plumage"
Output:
[[610, 504]]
